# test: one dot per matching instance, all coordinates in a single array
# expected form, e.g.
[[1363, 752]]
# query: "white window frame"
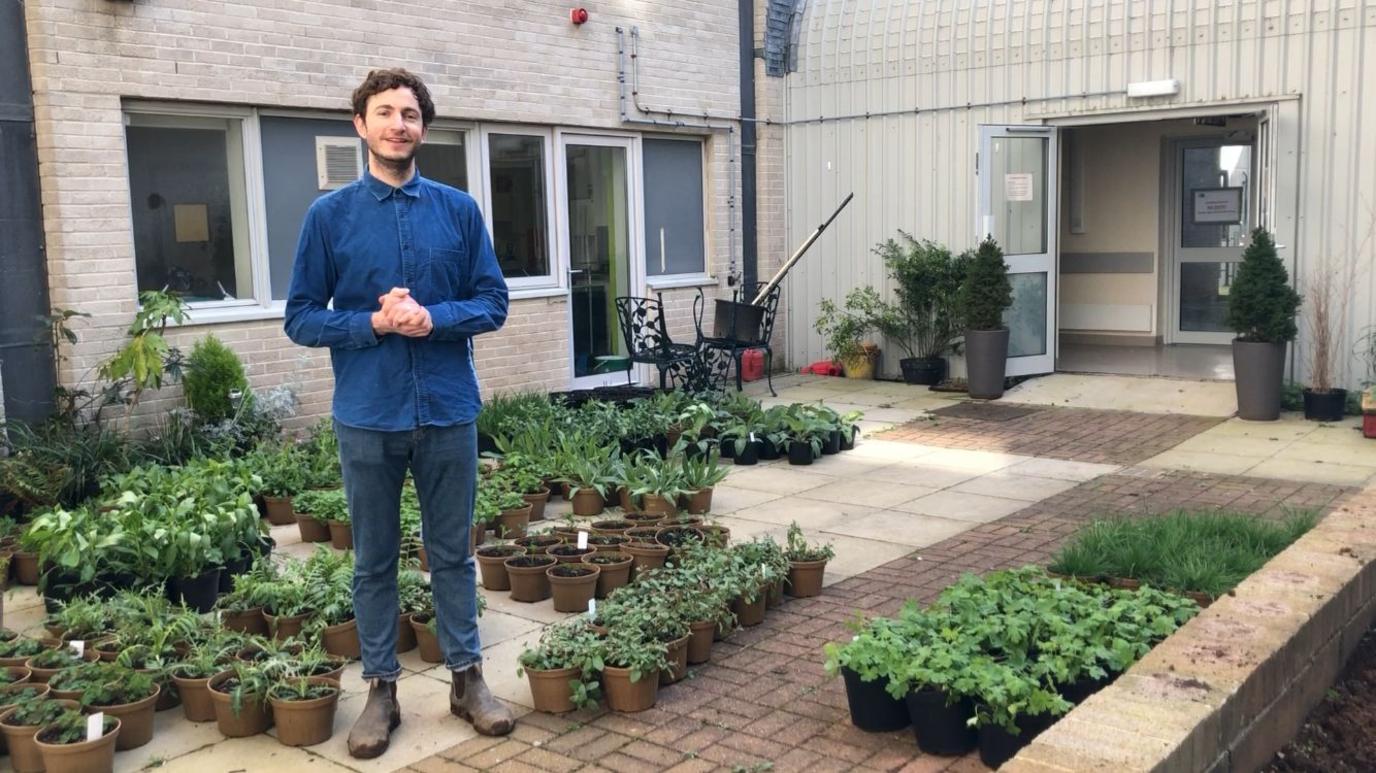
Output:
[[701, 278], [556, 281], [444, 133]]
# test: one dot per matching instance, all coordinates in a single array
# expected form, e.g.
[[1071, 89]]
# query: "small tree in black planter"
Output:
[[926, 321], [984, 295], [1261, 310]]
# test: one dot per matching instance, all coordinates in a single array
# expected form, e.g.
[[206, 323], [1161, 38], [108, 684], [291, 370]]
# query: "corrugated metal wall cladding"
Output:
[[916, 171]]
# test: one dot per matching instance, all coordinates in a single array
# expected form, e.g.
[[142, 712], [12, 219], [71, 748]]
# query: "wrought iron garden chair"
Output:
[[734, 336], [646, 333]]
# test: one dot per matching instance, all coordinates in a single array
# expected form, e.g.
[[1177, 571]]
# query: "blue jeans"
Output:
[[444, 463]]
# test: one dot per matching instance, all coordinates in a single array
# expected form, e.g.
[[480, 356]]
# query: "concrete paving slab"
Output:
[[960, 506], [1012, 486], [809, 514], [917, 531], [427, 727], [861, 491], [1141, 394], [1199, 461], [1079, 472], [779, 480], [728, 499]]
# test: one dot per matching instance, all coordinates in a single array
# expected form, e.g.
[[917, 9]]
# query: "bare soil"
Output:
[[1339, 735]]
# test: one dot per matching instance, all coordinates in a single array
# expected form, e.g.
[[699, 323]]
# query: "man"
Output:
[[409, 266]]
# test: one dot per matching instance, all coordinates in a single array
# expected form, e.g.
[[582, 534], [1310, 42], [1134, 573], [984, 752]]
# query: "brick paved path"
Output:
[[1073, 434], [764, 699]]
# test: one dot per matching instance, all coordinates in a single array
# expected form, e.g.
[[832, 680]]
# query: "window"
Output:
[[189, 206], [444, 158], [520, 199], [675, 241]]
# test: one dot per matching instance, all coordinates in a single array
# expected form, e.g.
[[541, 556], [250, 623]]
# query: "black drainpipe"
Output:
[[27, 369], [749, 235]]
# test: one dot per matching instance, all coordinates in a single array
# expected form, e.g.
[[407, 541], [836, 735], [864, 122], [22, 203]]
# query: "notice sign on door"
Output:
[[1219, 206], [1017, 186]]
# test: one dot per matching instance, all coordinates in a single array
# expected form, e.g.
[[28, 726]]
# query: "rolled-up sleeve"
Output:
[[309, 321], [485, 308]]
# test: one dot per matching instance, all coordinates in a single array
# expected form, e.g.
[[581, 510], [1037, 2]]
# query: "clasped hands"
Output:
[[401, 314]]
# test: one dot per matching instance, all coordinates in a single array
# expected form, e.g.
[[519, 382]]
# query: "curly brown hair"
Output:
[[384, 80]]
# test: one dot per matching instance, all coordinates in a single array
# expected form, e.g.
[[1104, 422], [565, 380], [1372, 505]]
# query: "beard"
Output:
[[396, 160]]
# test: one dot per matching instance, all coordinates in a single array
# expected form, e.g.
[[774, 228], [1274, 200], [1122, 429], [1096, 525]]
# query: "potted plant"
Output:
[[513, 514], [615, 570], [984, 294], [806, 563], [492, 564], [47, 663], [17, 651], [242, 608], [1261, 310], [21, 722], [328, 579], [564, 668], [1328, 298], [192, 678], [572, 585], [306, 504], [529, 583], [423, 624], [129, 695], [630, 675], [64, 746], [240, 698], [283, 476], [926, 321], [303, 709], [844, 331], [569, 553], [700, 477], [646, 555], [656, 482], [536, 543], [865, 664]]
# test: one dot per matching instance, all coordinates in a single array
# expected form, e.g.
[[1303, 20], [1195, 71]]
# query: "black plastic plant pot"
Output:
[[199, 592], [750, 453], [769, 452], [848, 438], [1082, 688], [923, 370], [941, 728], [997, 746], [872, 709], [486, 443], [1325, 406], [727, 446], [799, 452], [832, 445]]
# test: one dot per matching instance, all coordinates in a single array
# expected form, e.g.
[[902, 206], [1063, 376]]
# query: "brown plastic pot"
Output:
[[678, 661], [312, 529], [536, 543], [552, 691], [587, 502], [406, 636], [529, 583], [774, 596], [426, 640], [24, 754], [646, 556], [749, 614], [341, 535], [805, 578], [280, 513], [25, 567], [342, 640], [81, 757], [252, 719], [196, 703], [306, 723], [614, 572], [249, 621], [700, 636], [654, 503], [616, 526], [644, 519], [537, 502], [491, 564], [608, 543], [642, 533], [286, 626], [700, 501], [626, 696], [511, 524], [424, 559], [137, 719], [42, 675], [18, 674], [572, 585], [569, 554]]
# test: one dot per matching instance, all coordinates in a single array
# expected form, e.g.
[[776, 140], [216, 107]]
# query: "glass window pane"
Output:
[[445, 162], [674, 224], [520, 233], [1026, 318], [1216, 184], [1018, 194], [599, 252], [186, 188], [1204, 295], [291, 185]]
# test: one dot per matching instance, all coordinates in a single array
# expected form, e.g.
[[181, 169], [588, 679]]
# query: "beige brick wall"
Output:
[[485, 61]]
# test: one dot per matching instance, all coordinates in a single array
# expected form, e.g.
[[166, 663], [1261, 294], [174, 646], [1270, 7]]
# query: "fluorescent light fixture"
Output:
[[1164, 88]]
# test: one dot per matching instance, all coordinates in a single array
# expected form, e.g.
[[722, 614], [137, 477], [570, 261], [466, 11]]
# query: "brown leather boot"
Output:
[[470, 699], [381, 715]]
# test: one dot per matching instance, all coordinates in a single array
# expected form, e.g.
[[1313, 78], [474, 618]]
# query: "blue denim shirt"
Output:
[[359, 242]]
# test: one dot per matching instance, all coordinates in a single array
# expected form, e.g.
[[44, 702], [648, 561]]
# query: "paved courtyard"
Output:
[[969, 489]]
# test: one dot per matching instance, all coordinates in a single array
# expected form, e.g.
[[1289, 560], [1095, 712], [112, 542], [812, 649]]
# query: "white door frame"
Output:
[[635, 270], [1045, 262]]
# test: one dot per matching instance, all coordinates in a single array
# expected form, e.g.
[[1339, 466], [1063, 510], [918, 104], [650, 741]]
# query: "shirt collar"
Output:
[[382, 190]]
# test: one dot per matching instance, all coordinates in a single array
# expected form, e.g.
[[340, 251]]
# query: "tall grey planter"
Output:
[[1258, 370], [986, 355]]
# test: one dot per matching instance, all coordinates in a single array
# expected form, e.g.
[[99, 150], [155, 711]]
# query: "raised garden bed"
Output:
[[1339, 735]]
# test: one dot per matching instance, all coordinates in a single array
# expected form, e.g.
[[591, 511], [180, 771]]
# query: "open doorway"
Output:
[[1154, 217]]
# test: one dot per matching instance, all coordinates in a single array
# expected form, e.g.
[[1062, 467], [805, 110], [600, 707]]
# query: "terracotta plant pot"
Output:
[[700, 638], [342, 640], [572, 585], [491, 565], [626, 696], [479, 531], [587, 502], [674, 536], [536, 543], [341, 535], [511, 524], [643, 533], [678, 661], [24, 754], [18, 674], [424, 559], [285, 627], [406, 636], [715, 536], [137, 719], [615, 571], [25, 567], [552, 691], [529, 583], [805, 578], [569, 554], [700, 501], [654, 503], [644, 519], [81, 757], [645, 556], [617, 526], [312, 529], [537, 503], [196, 703], [749, 614], [168, 697], [279, 514], [248, 621], [306, 723], [252, 719], [426, 640], [608, 543], [42, 675]]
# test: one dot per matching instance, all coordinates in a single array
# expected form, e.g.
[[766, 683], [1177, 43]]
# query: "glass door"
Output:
[[1214, 209], [598, 251], [1017, 206]]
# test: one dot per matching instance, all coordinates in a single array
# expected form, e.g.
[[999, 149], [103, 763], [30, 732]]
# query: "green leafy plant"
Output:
[[1261, 303], [844, 329], [300, 689], [146, 358], [927, 320], [569, 644], [323, 504], [213, 373], [798, 549], [628, 647], [35, 713], [985, 291], [70, 727]]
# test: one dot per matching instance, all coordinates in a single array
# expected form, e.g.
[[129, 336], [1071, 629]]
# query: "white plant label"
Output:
[[79, 647], [582, 540], [95, 726], [592, 608], [752, 437]]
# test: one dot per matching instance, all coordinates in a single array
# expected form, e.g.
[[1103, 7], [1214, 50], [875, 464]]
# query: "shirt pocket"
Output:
[[445, 270]]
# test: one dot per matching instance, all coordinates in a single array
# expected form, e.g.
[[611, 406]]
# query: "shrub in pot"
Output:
[[630, 675], [536, 543], [589, 470], [700, 477], [303, 709], [47, 663], [18, 650], [192, 680], [282, 471], [1261, 310], [427, 637], [564, 668], [240, 698], [126, 694], [313, 511], [21, 722], [844, 331], [1328, 297], [865, 664], [513, 514], [572, 585], [926, 320], [569, 553], [607, 543], [242, 608], [806, 563], [985, 293], [65, 747], [328, 579], [413, 595]]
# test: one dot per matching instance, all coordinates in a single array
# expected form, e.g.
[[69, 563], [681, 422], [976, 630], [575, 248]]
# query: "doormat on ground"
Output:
[[987, 411]]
